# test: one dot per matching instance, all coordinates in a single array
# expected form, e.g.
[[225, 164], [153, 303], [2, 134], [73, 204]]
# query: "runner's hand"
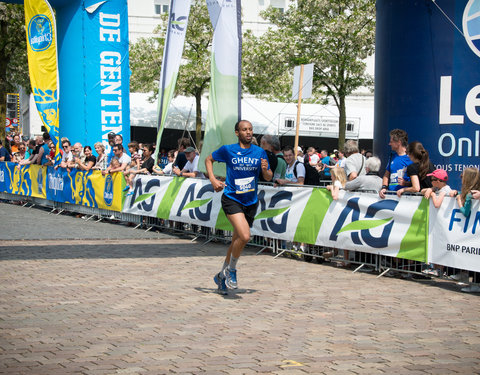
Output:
[[217, 185]]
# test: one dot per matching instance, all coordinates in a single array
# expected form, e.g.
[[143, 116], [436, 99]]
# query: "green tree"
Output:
[[194, 74], [337, 36], [13, 55]]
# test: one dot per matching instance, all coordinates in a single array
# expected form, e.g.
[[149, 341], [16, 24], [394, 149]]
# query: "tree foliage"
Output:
[[194, 74], [13, 55], [337, 36]]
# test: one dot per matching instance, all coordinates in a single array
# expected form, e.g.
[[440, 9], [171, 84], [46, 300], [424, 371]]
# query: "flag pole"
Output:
[[299, 105]]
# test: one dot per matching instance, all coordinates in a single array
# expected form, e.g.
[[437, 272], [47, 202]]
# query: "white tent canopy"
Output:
[[266, 117]]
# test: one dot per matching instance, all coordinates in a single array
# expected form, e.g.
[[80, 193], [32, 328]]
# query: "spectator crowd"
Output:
[[408, 169]]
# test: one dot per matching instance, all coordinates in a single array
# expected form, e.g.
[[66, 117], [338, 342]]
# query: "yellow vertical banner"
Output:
[[42, 64]]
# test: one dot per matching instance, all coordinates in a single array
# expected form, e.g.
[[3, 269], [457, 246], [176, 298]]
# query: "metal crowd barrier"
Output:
[[355, 260]]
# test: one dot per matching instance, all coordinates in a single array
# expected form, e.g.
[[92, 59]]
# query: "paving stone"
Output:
[[108, 299]]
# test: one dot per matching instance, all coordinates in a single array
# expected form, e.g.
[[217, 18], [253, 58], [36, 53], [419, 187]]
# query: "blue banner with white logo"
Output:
[[427, 79], [94, 70]]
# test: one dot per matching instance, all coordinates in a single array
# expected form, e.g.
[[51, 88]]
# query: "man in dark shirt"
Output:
[[181, 158], [4, 154]]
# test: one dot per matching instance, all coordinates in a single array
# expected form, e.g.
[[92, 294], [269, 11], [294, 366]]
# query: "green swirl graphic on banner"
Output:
[[143, 197], [196, 203], [166, 204], [415, 243], [271, 213], [364, 224]]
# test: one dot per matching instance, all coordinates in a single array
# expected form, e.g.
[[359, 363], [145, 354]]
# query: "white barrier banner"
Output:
[[193, 201], [392, 226], [454, 238]]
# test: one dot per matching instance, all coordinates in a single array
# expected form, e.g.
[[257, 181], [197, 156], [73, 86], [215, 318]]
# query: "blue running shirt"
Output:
[[244, 166], [398, 166]]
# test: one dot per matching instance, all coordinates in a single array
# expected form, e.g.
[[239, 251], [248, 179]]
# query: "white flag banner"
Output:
[[225, 85], [454, 239], [172, 55]]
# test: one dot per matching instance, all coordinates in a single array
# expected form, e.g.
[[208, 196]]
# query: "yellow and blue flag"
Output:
[[43, 66]]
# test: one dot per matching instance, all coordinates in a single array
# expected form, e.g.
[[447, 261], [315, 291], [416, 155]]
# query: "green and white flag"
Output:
[[225, 85], [172, 55]]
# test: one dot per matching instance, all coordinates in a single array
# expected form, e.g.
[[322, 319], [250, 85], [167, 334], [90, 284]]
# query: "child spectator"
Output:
[[168, 170], [133, 148], [440, 189], [339, 179], [470, 180]]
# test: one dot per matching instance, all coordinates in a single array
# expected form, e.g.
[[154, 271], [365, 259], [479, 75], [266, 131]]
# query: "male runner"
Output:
[[245, 162]]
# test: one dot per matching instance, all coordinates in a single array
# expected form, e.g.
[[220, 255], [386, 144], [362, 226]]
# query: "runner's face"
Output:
[[245, 132]]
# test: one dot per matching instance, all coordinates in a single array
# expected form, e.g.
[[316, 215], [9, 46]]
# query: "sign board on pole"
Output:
[[307, 82]]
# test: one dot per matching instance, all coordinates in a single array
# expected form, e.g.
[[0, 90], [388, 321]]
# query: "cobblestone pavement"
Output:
[[114, 300]]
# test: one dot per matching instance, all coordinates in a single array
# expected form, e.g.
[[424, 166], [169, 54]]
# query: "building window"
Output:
[[161, 6], [350, 127], [278, 4], [289, 123]]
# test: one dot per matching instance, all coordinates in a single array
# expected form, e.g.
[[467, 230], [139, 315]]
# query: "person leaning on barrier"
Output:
[[44, 150], [145, 168], [397, 163], [122, 158], [191, 167], [67, 156], [417, 171], [90, 160], [295, 173], [20, 155], [370, 181], [439, 189], [101, 163], [168, 169], [180, 157]]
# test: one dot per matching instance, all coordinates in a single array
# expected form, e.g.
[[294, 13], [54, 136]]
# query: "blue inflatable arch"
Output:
[[92, 39]]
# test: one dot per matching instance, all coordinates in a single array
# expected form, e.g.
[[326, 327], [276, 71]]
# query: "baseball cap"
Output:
[[440, 174], [111, 135], [190, 149], [299, 149]]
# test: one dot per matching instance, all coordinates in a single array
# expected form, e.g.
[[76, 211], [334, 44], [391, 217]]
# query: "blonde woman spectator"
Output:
[[101, 163]]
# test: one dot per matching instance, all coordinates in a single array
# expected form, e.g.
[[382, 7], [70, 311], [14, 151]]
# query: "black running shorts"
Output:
[[231, 207]]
